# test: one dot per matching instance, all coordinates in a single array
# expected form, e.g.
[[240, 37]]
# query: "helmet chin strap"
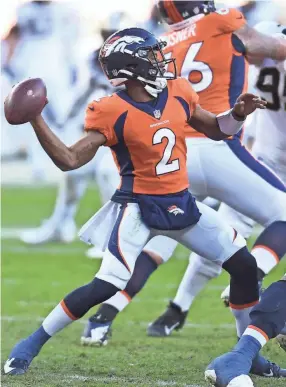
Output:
[[154, 87]]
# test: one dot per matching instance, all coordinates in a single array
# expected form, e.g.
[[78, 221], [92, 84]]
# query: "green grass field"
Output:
[[34, 279]]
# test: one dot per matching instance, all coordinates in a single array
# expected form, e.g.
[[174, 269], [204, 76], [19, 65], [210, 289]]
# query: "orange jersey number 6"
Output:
[[204, 75]]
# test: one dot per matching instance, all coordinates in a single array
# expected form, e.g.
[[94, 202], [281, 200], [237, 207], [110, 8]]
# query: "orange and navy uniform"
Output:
[[147, 140], [212, 59]]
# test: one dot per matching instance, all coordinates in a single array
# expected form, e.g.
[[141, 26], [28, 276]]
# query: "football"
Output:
[[25, 101]]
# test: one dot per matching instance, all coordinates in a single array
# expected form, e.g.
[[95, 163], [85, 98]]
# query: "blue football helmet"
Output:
[[177, 12], [134, 53]]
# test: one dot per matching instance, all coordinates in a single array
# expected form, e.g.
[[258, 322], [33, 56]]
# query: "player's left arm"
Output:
[[259, 46], [219, 127]]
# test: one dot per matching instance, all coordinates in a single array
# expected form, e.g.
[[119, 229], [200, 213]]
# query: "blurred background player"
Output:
[[39, 29], [255, 11], [10, 148]]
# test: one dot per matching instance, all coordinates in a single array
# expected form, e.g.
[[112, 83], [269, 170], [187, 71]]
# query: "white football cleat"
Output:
[[34, 236], [67, 231], [96, 334], [49, 232], [94, 253], [239, 381], [225, 296]]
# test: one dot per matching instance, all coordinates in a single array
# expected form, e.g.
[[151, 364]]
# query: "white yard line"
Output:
[[17, 281], [143, 324], [25, 304], [123, 381], [44, 249], [12, 233]]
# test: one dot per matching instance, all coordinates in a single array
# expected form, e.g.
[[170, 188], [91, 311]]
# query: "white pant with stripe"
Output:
[[121, 231]]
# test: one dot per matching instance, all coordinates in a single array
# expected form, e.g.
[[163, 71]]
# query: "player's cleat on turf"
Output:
[[239, 381], [94, 253], [24, 352], [229, 370], [49, 232], [225, 296], [96, 333], [263, 367], [172, 319], [15, 366], [281, 339], [67, 231], [98, 328]]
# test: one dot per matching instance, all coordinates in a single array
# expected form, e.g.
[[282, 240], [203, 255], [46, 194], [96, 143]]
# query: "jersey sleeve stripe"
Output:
[[123, 156], [237, 78], [238, 44], [185, 106]]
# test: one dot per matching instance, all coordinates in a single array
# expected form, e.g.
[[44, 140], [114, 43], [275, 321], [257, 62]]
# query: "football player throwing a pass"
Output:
[[144, 125]]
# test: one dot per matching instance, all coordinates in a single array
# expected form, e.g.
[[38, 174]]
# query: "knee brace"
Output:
[[82, 299], [242, 268]]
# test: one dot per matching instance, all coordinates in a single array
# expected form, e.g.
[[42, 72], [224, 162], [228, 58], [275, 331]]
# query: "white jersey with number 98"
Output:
[[269, 81]]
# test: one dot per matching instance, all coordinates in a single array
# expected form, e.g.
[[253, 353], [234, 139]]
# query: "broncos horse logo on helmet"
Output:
[[176, 13], [134, 53], [119, 43]]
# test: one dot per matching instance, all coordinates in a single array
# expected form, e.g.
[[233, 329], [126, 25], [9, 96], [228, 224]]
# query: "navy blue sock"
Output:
[[248, 346], [242, 268], [144, 267], [28, 348]]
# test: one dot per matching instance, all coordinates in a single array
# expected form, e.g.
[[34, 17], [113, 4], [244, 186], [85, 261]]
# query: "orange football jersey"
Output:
[[206, 56], [147, 139]]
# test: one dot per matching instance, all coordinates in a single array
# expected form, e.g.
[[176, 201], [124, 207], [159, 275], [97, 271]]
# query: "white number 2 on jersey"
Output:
[[190, 65], [165, 166]]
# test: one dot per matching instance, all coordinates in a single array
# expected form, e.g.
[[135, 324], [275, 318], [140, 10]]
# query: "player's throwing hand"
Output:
[[246, 104]]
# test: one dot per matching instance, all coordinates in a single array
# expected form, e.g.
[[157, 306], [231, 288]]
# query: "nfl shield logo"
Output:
[[157, 114]]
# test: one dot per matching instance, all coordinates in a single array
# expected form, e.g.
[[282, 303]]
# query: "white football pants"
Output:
[[211, 237]]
